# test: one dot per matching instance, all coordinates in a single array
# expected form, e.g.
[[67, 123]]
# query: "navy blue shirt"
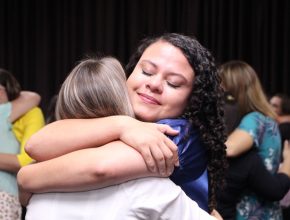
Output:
[[191, 175]]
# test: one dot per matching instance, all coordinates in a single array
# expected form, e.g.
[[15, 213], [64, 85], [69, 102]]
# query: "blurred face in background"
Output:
[[276, 103]]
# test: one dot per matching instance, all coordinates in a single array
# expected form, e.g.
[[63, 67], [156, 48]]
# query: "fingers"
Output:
[[166, 129], [174, 150], [158, 159], [148, 158], [158, 151], [161, 158], [169, 160], [164, 157]]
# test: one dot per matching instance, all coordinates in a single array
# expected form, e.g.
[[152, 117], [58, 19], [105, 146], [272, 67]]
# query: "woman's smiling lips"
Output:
[[148, 99]]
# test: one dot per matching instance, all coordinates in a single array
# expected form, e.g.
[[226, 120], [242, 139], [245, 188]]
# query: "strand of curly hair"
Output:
[[205, 111]]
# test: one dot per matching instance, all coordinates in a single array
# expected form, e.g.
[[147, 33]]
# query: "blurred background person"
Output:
[[256, 130], [20, 108], [281, 105]]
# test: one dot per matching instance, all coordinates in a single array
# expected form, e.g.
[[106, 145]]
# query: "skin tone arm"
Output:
[[9, 162], [26, 101], [85, 169], [238, 142], [20, 106], [148, 139], [90, 169], [285, 165]]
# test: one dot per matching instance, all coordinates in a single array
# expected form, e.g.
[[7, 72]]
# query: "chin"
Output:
[[145, 118]]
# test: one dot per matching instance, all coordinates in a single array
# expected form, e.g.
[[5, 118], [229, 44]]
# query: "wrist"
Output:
[[124, 124], [120, 123]]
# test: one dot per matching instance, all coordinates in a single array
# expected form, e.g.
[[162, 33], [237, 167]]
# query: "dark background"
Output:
[[41, 40]]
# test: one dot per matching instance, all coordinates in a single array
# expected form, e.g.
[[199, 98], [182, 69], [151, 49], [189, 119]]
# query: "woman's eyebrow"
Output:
[[156, 67], [150, 62]]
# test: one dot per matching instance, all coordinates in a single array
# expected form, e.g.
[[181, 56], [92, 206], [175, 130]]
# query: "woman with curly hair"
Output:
[[172, 77]]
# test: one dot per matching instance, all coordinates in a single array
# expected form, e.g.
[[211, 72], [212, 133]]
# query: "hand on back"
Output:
[[158, 151]]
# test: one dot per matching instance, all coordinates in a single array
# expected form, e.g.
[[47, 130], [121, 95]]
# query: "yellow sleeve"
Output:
[[24, 128]]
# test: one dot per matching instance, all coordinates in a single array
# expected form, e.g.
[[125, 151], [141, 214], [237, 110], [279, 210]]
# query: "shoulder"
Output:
[[34, 113], [150, 184], [32, 117], [146, 190], [253, 115], [154, 202], [182, 125], [257, 118], [174, 122]]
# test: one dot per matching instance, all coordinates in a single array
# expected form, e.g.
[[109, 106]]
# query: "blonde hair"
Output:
[[241, 81], [94, 88]]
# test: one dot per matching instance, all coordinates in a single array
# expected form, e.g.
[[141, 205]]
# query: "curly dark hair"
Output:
[[204, 109]]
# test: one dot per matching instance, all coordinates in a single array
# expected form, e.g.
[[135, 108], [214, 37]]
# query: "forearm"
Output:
[[26, 101], [84, 170], [265, 184], [64, 136], [238, 142], [52, 175], [9, 163], [271, 187]]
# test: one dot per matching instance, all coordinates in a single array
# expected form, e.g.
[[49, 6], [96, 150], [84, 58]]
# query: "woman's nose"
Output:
[[155, 84]]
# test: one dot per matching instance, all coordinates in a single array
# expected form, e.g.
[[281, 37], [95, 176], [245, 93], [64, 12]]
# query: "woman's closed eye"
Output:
[[146, 73], [173, 85]]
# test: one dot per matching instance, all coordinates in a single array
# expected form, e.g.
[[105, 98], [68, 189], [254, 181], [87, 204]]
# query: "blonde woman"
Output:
[[257, 129]]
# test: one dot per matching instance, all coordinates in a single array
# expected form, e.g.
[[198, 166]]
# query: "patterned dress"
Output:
[[10, 208], [267, 140]]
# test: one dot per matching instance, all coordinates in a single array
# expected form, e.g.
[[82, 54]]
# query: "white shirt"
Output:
[[147, 198]]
